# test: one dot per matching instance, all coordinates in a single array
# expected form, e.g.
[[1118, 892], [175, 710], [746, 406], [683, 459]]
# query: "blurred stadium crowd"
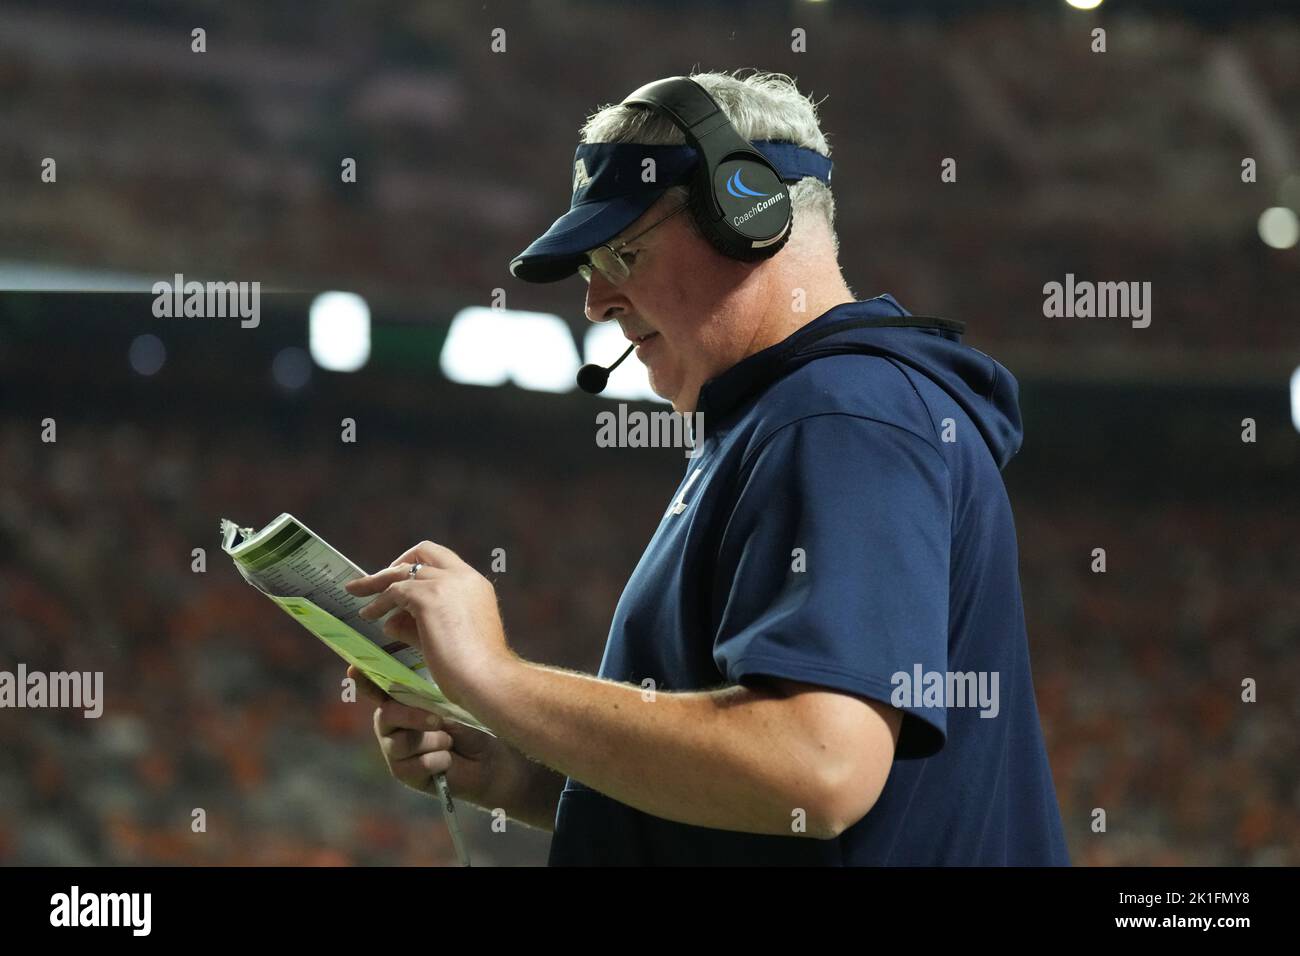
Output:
[[215, 700], [1122, 166]]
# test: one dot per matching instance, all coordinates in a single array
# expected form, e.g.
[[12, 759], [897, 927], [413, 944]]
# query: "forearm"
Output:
[[708, 758], [528, 792]]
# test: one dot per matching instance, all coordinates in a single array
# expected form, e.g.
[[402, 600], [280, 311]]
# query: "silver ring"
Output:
[[415, 569]]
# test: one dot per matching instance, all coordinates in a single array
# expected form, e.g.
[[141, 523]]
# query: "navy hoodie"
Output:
[[844, 523]]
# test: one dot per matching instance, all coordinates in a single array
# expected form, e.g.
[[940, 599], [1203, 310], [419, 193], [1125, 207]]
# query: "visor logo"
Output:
[[580, 177], [738, 189]]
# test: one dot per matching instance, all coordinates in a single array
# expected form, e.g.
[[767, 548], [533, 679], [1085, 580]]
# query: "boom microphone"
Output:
[[592, 379]]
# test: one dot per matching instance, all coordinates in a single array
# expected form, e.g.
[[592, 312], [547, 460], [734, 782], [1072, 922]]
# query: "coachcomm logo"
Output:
[[757, 208], [739, 189]]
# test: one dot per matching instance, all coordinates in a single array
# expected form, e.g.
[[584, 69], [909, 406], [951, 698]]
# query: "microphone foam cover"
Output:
[[592, 379]]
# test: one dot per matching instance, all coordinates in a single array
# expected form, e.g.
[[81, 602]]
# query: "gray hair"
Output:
[[760, 106]]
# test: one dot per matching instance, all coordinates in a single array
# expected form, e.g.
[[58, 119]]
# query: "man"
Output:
[[821, 658]]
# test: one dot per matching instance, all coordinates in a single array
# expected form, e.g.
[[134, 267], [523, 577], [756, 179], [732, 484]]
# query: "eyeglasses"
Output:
[[610, 263]]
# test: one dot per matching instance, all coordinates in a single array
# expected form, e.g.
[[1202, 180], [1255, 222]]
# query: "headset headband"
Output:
[[737, 196]]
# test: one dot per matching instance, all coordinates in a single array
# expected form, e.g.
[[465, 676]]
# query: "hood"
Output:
[[984, 389]]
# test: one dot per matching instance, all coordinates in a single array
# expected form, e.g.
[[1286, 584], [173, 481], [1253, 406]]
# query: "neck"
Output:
[[801, 283], [787, 312], [810, 268]]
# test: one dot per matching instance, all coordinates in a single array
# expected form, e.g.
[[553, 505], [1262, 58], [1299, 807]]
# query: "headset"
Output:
[[738, 200]]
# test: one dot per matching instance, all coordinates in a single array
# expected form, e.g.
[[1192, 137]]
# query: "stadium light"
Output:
[[1278, 227], [604, 343], [146, 354], [1084, 4], [534, 350], [1295, 399], [291, 369], [339, 331]]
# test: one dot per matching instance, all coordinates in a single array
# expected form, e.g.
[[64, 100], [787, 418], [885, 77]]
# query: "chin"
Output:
[[682, 403], [667, 393]]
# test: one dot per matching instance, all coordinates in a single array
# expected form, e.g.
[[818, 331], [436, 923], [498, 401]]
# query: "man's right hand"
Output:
[[480, 768], [418, 745]]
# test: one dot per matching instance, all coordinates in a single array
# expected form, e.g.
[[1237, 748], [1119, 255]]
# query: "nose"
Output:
[[604, 301]]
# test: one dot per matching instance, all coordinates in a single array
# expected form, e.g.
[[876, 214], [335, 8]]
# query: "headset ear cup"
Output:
[[701, 212], [749, 180], [729, 242], [766, 252]]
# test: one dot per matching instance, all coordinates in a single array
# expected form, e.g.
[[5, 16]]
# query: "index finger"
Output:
[[426, 552]]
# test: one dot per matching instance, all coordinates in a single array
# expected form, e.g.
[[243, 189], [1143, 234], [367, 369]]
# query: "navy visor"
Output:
[[609, 194]]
